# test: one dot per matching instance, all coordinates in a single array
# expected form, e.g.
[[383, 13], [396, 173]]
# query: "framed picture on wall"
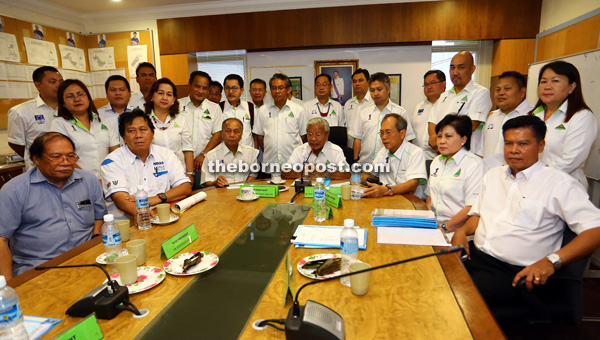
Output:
[[395, 88], [296, 87], [341, 76]]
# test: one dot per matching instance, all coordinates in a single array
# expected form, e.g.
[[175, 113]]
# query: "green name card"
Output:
[[336, 190], [178, 241], [87, 329], [329, 212], [309, 191], [333, 199], [263, 190]]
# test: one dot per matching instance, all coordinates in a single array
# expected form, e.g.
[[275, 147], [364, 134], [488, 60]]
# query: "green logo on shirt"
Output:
[[464, 99], [176, 125], [206, 118], [561, 127], [457, 174], [333, 112], [103, 127], [207, 112], [291, 115]]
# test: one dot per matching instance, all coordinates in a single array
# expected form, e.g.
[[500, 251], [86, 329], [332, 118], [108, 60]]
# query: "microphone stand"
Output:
[[299, 185]]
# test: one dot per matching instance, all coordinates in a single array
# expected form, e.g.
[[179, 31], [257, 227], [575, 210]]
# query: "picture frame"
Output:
[[396, 88], [342, 81], [296, 87]]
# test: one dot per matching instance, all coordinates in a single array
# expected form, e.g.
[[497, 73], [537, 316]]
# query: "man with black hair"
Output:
[[322, 106], [258, 92], [215, 91], [360, 85], [234, 107], [118, 94], [145, 76], [28, 120]]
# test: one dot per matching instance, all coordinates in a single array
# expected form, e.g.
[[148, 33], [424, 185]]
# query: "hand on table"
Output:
[[536, 274], [375, 190], [221, 182], [460, 239]]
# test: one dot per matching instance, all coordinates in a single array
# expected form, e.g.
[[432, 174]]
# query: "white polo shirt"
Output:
[[174, 134], [28, 120], [282, 131], [137, 100], [334, 113], [493, 140], [408, 162], [523, 218], [454, 183], [367, 128], [122, 171], [245, 156], [204, 120], [109, 117], [241, 112], [352, 112], [568, 144], [91, 145], [419, 119], [474, 101], [330, 154]]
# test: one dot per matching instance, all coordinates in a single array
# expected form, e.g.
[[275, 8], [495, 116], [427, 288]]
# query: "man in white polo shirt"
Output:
[[519, 219], [28, 120], [145, 76], [234, 107], [204, 117], [465, 98], [510, 96], [366, 128], [140, 162], [215, 167], [279, 127], [317, 152], [118, 94], [406, 162], [322, 106], [360, 85]]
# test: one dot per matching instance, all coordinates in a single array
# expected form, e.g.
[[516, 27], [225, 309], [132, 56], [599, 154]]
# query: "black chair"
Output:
[[338, 135]]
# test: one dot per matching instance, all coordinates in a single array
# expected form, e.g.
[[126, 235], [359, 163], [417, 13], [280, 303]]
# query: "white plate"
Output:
[[248, 199], [309, 272], [101, 259], [174, 265], [148, 277], [154, 220], [283, 181], [284, 190]]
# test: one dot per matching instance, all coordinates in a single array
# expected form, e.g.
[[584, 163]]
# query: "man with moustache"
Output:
[[234, 107], [360, 85], [145, 76], [118, 94], [322, 106]]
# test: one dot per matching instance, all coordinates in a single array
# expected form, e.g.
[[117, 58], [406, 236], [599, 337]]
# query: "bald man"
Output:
[[466, 98]]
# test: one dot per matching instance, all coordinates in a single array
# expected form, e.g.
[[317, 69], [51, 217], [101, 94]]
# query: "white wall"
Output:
[[556, 12], [410, 61]]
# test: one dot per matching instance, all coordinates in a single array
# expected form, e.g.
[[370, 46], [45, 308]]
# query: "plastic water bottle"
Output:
[[319, 201], [143, 209], [356, 191], [11, 315], [349, 245], [111, 237]]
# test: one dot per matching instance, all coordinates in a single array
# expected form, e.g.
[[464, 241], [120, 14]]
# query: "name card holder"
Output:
[[263, 190], [331, 197], [87, 328], [179, 241]]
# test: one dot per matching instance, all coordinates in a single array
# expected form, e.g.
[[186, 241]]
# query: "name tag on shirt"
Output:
[[39, 119]]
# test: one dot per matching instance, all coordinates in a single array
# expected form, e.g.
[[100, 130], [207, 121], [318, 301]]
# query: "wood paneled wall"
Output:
[[354, 25], [513, 55], [580, 37]]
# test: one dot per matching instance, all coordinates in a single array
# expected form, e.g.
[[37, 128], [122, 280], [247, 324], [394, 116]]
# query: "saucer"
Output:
[[254, 198], [155, 220], [283, 181]]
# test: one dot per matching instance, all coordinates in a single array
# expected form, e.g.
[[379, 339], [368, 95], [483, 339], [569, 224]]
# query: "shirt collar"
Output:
[[400, 150], [469, 88], [458, 157], [131, 157], [37, 177], [226, 150], [527, 173], [287, 103], [40, 102], [522, 108]]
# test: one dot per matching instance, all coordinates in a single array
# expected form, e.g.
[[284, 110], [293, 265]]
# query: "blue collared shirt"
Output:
[[43, 220]]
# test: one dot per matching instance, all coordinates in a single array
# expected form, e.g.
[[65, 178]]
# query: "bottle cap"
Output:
[[109, 218], [2, 281], [349, 223], [140, 187], [319, 179]]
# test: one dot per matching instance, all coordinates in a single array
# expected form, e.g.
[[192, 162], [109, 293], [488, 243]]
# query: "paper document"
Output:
[[314, 236], [9, 50], [37, 326], [72, 58], [102, 58], [411, 236], [40, 52]]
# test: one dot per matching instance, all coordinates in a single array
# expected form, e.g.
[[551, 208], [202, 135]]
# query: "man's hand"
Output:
[[537, 274], [198, 162], [460, 239], [221, 182], [375, 190]]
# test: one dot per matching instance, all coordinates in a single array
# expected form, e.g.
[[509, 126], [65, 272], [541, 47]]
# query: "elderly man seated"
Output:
[[404, 162], [318, 157], [48, 210], [230, 161], [519, 218], [140, 162]]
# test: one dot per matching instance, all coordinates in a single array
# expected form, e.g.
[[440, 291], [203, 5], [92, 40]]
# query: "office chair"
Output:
[[338, 135]]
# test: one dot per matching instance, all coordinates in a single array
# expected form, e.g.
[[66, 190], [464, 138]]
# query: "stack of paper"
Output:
[[315, 236], [403, 218]]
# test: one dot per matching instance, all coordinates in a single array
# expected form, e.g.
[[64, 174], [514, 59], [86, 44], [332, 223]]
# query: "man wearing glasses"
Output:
[[434, 84], [234, 107], [322, 106], [50, 209]]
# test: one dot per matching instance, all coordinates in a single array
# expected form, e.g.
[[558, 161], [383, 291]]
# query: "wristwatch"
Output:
[[444, 227], [555, 259], [163, 197], [390, 190]]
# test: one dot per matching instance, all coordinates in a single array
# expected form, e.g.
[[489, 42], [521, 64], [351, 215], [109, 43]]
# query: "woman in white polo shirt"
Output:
[[80, 121], [171, 130], [455, 175], [571, 125]]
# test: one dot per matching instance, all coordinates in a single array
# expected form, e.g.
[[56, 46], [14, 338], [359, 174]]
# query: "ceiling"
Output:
[[109, 5]]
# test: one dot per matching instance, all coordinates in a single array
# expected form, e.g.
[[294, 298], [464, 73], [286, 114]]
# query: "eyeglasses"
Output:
[[71, 96], [318, 135], [233, 88], [55, 159], [431, 84], [280, 88], [386, 133]]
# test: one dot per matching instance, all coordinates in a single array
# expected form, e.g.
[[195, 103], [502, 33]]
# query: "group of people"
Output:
[[513, 176]]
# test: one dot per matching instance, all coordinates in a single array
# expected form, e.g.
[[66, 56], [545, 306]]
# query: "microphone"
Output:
[[107, 300], [319, 322], [300, 185]]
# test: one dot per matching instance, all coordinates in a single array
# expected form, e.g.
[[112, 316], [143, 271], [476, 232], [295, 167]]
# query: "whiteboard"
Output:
[[588, 64]]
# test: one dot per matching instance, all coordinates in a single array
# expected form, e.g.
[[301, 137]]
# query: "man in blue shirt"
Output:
[[48, 210]]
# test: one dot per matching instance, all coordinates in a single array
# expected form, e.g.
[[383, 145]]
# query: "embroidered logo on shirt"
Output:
[[369, 116], [464, 99], [207, 112], [291, 114], [103, 127], [490, 127], [159, 169], [457, 174], [39, 119], [314, 112], [176, 125], [107, 161], [333, 112], [350, 107], [73, 127], [560, 127], [206, 118], [434, 174], [420, 111]]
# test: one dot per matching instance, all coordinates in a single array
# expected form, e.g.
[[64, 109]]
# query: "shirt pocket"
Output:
[[291, 125], [528, 213]]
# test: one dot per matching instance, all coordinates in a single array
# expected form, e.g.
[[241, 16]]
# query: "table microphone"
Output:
[[318, 322], [300, 185], [107, 301]]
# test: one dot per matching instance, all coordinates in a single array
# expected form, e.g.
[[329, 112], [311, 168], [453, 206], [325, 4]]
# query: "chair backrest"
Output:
[[338, 135], [575, 271]]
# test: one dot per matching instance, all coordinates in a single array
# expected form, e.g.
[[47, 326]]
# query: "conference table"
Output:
[[433, 298]]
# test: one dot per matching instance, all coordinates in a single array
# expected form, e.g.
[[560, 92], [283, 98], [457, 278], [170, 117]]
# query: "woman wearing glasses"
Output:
[[455, 175], [78, 119], [171, 129]]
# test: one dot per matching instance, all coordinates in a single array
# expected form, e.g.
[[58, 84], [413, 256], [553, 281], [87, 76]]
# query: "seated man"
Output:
[[318, 157], [48, 210], [406, 162], [519, 218], [140, 162], [216, 169]]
